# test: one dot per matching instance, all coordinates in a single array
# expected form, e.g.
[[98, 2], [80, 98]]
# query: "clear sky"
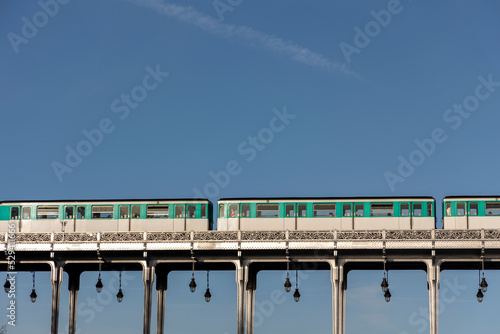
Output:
[[296, 98]]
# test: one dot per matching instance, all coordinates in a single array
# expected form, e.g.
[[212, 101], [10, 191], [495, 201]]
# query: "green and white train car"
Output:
[[326, 214], [471, 212], [107, 215]]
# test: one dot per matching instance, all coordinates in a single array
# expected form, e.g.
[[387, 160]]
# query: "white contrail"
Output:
[[273, 43]]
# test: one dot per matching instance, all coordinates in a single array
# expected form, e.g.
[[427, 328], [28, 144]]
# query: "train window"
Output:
[[221, 210], [448, 209], [382, 209], [233, 210], [136, 211], [473, 209], [289, 210], [81, 212], [157, 211], [14, 213], [429, 209], [302, 210], [493, 209], [417, 209], [324, 210], [191, 211], [203, 211], [48, 212], [102, 212], [460, 209], [267, 210], [68, 212], [346, 210], [359, 210], [26, 212], [123, 211], [245, 210], [179, 211], [405, 210]]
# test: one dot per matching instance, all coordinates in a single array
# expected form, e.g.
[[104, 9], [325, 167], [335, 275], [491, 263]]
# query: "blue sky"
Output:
[[376, 98]]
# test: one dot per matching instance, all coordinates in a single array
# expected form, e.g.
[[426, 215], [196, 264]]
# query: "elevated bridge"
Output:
[[158, 253]]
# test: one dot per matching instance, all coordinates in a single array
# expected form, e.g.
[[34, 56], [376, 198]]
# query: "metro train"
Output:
[[250, 214]]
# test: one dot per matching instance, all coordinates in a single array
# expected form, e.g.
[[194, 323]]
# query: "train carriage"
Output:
[[107, 215], [471, 212], [326, 214]]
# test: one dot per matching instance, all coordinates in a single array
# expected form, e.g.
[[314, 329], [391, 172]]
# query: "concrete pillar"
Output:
[[250, 299], [338, 297], [56, 274], [148, 279], [161, 288], [240, 284], [433, 276], [73, 287]]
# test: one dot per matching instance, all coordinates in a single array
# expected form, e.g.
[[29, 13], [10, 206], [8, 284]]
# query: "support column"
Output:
[[161, 288], [338, 297], [433, 275], [56, 274], [148, 279], [73, 287], [250, 299], [240, 283]]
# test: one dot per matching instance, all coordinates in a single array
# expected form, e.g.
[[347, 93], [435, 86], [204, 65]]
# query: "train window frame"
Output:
[[14, 216], [110, 214], [382, 210], [245, 207], [26, 210], [322, 207], [136, 211], [471, 212], [54, 208], [402, 210], [461, 209], [233, 210], [67, 213], [359, 209], [488, 212], [190, 212], [288, 210], [447, 209], [344, 210], [415, 207], [430, 209], [179, 211], [80, 212], [124, 211], [203, 211], [302, 210], [160, 214], [221, 211], [275, 212]]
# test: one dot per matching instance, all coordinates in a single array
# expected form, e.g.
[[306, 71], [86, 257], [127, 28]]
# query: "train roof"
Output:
[[109, 200], [475, 197], [325, 198]]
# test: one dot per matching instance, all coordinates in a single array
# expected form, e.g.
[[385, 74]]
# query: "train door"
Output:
[[124, 218], [290, 218], [405, 216], [347, 215], [233, 218], [462, 216], [359, 222], [302, 222], [69, 218], [15, 217]]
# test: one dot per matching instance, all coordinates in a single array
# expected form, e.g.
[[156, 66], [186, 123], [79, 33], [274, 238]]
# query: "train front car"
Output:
[[326, 214], [471, 212], [107, 215]]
